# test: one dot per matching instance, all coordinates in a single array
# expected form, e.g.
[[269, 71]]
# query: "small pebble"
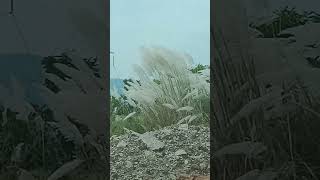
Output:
[[128, 164]]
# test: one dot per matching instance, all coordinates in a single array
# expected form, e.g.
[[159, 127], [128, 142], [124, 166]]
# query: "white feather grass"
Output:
[[179, 95]]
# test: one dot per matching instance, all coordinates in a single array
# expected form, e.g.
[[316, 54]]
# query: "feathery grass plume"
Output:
[[82, 96], [65, 169], [129, 116], [163, 91]]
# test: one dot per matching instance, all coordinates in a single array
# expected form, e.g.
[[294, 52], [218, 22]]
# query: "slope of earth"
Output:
[[165, 154]]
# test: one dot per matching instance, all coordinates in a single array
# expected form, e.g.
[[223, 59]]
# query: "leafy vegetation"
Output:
[[199, 68], [285, 18]]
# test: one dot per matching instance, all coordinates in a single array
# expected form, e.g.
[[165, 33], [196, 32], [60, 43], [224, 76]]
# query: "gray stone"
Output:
[[180, 152], [122, 144], [128, 164], [151, 142]]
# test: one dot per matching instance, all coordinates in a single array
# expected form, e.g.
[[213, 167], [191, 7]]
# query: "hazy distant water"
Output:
[[117, 84], [25, 68]]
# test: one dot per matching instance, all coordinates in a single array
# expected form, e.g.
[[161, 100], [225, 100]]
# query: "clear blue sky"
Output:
[[182, 25]]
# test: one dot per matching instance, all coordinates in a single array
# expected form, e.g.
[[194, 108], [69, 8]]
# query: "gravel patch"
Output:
[[161, 155]]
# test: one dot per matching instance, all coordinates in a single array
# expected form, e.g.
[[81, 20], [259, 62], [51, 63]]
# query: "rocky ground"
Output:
[[164, 154]]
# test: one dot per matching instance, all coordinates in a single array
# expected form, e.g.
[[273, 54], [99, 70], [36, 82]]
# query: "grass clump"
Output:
[[169, 91], [43, 141], [123, 115], [262, 130]]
